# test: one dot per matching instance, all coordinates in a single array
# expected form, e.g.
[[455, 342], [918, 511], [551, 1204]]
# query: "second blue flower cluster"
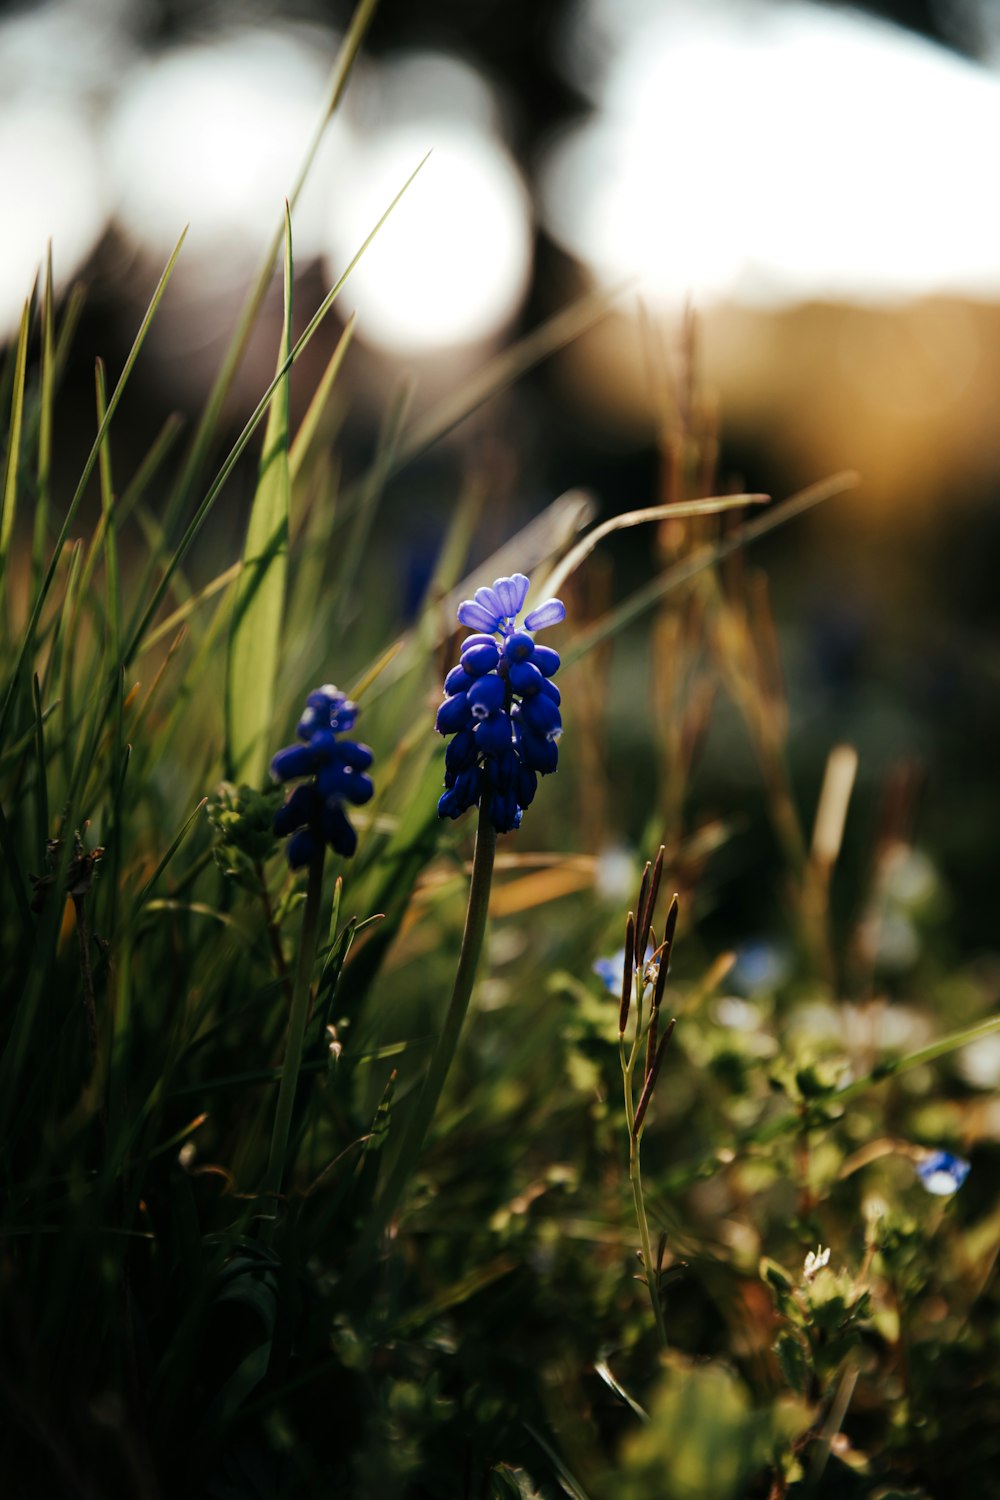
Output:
[[501, 706], [314, 814]]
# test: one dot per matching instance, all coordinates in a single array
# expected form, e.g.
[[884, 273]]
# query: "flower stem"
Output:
[[447, 1043], [648, 1264], [298, 1015], [634, 1166]]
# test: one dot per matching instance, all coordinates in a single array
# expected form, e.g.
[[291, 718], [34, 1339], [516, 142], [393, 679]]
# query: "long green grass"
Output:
[[197, 1300]]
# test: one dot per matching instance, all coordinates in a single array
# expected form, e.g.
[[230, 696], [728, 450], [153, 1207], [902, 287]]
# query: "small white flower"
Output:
[[815, 1261]]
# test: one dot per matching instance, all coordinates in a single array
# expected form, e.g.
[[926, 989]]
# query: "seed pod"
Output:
[[665, 951], [629, 965], [640, 905], [646, 912], [651, 1077]]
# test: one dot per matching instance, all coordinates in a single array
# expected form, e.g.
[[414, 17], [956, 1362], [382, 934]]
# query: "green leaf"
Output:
[[792, 1360], [8, 499], [255, 641]]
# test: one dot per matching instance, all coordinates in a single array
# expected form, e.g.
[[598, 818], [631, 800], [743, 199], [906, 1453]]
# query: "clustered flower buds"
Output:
[[314, 813], [501, 706]]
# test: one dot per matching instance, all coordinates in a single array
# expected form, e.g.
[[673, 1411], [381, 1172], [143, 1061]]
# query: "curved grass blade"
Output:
[[255, 638], [706, 557]]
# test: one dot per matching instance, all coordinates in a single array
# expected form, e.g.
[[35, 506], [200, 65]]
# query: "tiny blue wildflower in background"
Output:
[[942, 1173], [314, 814], [609, 970], [501, 706]]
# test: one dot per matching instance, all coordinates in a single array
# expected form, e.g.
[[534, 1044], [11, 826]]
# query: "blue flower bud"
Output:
[[480, 658], [526, 785], [300, 808], [494, 735], [505, 815], [456, 681], [302, 846], [294, 761], [454, 714], [541, 715], [338, 831], [525, 678], [486, 696], [546, 660], [537, 754], [551, 692], [519, 646], [461, 751]]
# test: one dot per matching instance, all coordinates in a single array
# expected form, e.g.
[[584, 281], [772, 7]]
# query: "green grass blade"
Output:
[[88, 469], [41, 777], [255, 639], [112, 582], [46, 404], [198, 519], [8, 500]]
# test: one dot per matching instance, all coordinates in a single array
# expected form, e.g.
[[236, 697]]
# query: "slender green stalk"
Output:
[[298, 1015], [447, 1043], [634, 1154], [648, 1263]]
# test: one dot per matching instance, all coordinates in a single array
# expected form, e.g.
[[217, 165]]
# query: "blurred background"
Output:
[[797, 202]]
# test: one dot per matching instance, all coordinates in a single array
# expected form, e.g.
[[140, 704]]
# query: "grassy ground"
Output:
[[204, 1291]]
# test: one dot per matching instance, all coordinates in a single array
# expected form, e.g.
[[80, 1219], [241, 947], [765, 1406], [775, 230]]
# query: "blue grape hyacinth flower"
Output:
[[314, 814], [501, 706], [942, 1173]]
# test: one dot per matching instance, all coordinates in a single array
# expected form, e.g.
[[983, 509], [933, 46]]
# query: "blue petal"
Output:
[[552, 612], [513, 592], [476, 617], [481, 638], [551, 691], [490, 600]]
